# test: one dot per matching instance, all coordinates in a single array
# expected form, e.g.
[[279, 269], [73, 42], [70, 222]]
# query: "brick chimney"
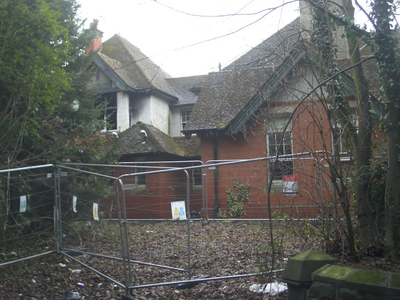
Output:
[[97, 42], [306, 19]]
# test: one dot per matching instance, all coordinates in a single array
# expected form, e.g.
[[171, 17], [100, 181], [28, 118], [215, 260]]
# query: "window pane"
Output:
[[281, 168], [274, 145], [185, 117], [111, 102], [111, 119], [197, 177], [141, 179]]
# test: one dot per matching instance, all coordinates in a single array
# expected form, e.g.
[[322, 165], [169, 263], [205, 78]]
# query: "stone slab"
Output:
[[301, 266], [332, 274], [368, 281]]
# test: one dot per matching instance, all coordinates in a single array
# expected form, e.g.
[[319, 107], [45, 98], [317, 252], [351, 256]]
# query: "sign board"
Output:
[[22, 204], [127, 187], [74, 200], [290, 184], [95, 211], [178, 210]]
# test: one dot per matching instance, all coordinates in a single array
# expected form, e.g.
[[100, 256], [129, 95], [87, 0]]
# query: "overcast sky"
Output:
[[182, 36]]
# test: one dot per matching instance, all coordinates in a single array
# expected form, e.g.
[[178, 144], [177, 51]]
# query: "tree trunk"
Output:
[[362, 141], [389, 69]]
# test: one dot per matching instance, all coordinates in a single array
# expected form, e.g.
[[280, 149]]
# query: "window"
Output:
[[340, 140], [185, 117], [197, 181], [340, 137], [140, 180], [274, 147], [109, 113]]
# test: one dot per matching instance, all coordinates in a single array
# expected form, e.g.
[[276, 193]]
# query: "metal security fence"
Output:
[[26, 213], [85, 206], [89, 209]]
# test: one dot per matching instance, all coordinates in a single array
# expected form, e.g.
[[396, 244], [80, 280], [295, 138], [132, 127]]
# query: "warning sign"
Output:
[[178, 210], [290, 184]]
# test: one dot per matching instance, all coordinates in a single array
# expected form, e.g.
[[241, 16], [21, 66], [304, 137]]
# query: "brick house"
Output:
[[238, 113], [242, 111]]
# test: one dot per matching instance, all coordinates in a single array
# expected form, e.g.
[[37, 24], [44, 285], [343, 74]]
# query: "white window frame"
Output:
[[275, 127], [339, 130], [185, 114], [139, 179], [109, 110]]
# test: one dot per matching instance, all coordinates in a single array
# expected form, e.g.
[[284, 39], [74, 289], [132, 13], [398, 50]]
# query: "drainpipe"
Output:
[[215, 157]]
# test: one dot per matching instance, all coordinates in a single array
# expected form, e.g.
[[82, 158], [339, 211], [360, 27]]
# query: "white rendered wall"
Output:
[[175, 122], [160, 114], [142, 110], [122, 111]]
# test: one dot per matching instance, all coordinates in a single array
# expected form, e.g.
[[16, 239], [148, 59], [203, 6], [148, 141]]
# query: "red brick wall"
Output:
[[306, 134], [154, 201]]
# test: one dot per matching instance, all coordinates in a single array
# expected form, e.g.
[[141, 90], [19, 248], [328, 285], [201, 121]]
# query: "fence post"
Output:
[[57, 209]]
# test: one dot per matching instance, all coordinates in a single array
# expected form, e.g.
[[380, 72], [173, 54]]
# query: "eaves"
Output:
[[122, 86], [266, 90]]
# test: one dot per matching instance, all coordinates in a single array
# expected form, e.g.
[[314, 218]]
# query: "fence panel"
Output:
[[26, 213]]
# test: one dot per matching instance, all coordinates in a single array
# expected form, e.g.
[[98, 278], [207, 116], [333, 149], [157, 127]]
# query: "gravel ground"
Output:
[[216, 249]]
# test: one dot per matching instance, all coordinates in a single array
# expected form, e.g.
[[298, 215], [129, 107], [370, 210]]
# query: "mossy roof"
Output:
[[186, 88], [134, 68], [132, 141], [224, 94]]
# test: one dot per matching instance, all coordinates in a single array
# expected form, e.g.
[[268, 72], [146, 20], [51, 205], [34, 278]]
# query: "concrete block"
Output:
[[368, 281], [394, 285], [320, 290], [300, 267], [332, 274]]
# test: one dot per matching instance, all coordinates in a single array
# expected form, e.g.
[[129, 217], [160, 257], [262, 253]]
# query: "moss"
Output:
[[224, 125], [395, 280], [108, 49], [336, 272], [368, 277]]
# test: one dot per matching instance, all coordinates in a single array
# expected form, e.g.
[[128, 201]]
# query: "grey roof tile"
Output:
[[186, 88], [224, 94], [132, 66], [132, 141], [272, 51]]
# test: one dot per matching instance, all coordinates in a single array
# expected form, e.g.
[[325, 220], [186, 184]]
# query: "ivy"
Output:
[[236, 201]]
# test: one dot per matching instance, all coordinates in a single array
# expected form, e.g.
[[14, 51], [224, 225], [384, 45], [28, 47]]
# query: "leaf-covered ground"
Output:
[[216, 249]]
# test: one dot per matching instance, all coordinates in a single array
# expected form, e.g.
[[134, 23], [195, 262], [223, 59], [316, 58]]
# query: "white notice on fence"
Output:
[[74, 199], [290, 184], [178, 210], [95, 211], [22, 204]]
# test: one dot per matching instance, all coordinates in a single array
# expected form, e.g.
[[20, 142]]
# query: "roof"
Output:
[[272, 51], [186, 88], [132, 141], [133, 68], [225, 94]]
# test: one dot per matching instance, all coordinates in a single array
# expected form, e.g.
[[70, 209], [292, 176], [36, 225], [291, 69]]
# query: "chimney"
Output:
[[306, 20], [97, 42]]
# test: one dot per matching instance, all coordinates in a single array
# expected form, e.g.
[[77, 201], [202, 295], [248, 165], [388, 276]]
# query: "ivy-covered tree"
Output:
[[383, 39]]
